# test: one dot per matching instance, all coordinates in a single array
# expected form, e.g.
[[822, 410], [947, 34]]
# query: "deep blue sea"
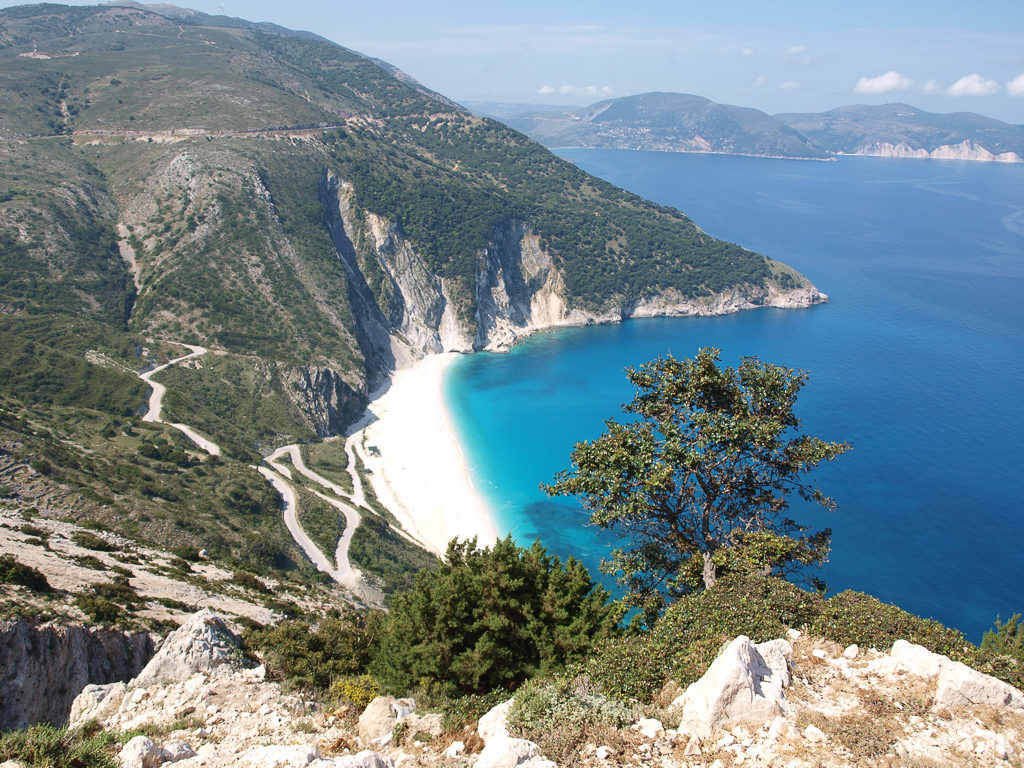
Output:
[[918, 361]]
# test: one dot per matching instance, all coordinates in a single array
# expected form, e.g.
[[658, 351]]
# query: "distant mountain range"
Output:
[[680, 122]]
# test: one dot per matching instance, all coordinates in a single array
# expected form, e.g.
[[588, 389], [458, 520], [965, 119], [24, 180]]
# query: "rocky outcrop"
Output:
[[46, 666], [745, 685], [324, 398], [501, 750]]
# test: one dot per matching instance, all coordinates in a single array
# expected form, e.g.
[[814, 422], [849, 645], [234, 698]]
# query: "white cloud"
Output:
[[761, 81], [577, 90], [746, 53], [796, 50], [1016, 86], [932, 87], [973, 85], [890, 81], [791, 85]]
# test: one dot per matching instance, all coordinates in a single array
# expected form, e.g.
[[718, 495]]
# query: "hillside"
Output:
[[900, 130], [676, 122], [315, 219]]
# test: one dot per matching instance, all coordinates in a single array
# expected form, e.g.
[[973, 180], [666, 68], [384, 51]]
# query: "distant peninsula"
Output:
[[680, 122]]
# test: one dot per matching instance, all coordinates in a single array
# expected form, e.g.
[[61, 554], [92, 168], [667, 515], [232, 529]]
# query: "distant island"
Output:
[[681, 122]]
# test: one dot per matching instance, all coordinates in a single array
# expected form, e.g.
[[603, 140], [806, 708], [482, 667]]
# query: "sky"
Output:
[[774, 55]]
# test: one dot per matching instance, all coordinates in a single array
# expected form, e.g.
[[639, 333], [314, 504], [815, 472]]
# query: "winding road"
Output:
[[280, 478], [156, 399]]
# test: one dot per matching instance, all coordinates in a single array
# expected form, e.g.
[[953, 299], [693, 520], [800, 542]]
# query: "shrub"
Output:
[[563, 714], [313, 656], [491, 618], [1006, 638], [248, 581], [99, 609], [357, 690], [14, 572], [682, 644], [88, 540], [43, 746], [853, 617]]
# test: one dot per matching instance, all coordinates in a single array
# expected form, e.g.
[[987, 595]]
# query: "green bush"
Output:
[[563, 714], [1006, 638], [14, 572], [313, 656], [43, 746], [853, 617], [88, 540], [491, 618], [683, 643]]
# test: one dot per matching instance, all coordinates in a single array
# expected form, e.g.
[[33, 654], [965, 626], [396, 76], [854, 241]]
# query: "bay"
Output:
[[918, 360]]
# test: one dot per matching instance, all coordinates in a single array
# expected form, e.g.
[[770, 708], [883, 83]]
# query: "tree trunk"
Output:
[[709, 571]]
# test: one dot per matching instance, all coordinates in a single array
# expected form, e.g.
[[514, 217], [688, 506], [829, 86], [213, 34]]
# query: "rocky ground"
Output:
[[797, 702]]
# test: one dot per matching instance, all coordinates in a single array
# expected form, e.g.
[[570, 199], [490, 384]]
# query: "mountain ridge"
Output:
[[686, 123]]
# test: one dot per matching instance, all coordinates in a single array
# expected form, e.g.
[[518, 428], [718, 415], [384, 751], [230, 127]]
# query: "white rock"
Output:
[[364, 759], [793, 634], [141, 752], [649, 727], [506, 753], [12, 764], [96, 702], [455, 749], [279, 756], [495, 723], [692, 747], [539, 762], [780, 728], [178, 750], [739, 687], [201, 644], [958, 685], [379, 718], [851, 651], [814, 734], [819, 653], [603, 753]]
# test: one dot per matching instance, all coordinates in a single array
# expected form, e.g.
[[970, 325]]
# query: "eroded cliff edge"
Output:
[[404, 311]]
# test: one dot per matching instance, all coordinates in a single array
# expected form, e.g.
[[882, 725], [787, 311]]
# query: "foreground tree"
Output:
[[699, 484], [491, 618]]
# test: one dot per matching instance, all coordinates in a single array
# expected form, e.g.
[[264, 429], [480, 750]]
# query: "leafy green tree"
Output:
[[491, 618], [700, 481]]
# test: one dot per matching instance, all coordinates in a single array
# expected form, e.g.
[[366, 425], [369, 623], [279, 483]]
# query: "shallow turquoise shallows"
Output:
[[918, 361]]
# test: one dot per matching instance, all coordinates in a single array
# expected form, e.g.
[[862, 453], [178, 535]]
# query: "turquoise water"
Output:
[[918, 361]]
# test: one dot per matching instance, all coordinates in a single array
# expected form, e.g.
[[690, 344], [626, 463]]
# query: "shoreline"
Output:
[[415, 461]]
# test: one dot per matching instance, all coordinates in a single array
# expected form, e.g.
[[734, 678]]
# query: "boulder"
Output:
[[96, 702], [957, 684], [379, 718], [649, 727], [495, 723], [141, 752], [740, 687], [504, 752], [201, 644], [178, 750]]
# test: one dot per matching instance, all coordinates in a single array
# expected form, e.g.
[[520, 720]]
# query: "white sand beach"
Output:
[[417, 465]]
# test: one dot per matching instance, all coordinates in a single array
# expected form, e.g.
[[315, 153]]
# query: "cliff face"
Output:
[[403, 311], [46, 667]]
